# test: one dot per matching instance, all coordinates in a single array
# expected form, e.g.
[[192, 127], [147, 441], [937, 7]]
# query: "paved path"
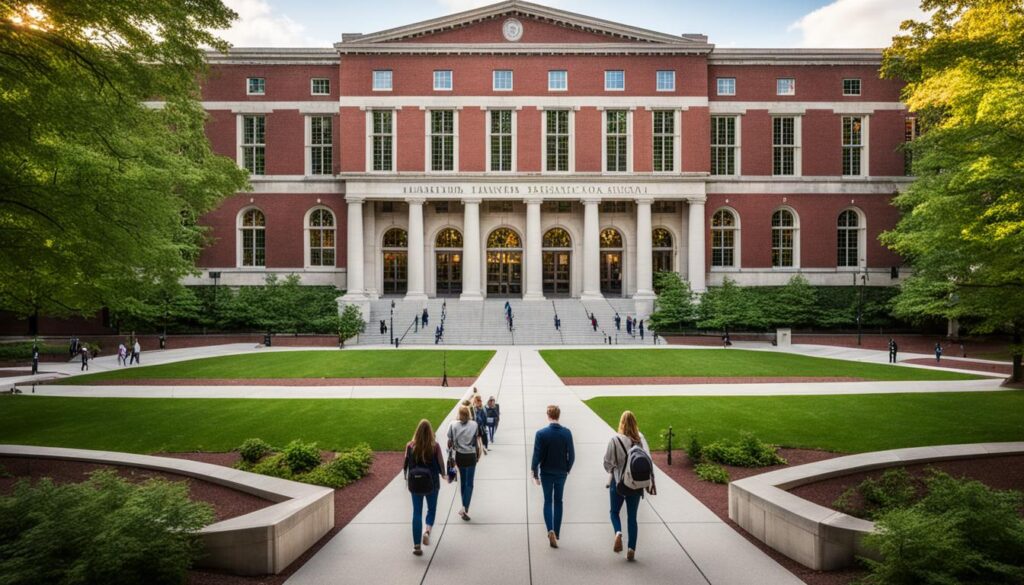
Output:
[[791, 389], [681, 541]]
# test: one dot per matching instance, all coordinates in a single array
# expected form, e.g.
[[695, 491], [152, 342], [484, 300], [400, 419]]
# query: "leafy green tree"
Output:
[[792, 305], [730, 306], [99, 193], [674, 307], [350, 323], [963, 223]]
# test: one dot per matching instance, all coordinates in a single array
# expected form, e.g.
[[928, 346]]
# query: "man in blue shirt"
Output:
[[553, 456]]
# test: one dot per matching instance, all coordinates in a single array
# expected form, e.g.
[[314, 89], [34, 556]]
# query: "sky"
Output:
[[728, 23]]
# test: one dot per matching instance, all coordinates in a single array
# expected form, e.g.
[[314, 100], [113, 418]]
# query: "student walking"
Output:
[[35, 360], [85, 358], [618, 322], [464, 437], [553, 456], [629, 325], [641, 329], [892, 350], [423, 468], [426, 316], [938, 352], [136, 352], [593, 321], [480, 417], [492, 413], [628, 460], [558, 323], [122, 355]]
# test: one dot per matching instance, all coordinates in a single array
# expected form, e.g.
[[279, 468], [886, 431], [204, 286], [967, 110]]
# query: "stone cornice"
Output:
[[795, 57]]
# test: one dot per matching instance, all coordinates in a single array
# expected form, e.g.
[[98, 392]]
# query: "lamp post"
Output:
[[860, 302], [391, 329], [444, 367]]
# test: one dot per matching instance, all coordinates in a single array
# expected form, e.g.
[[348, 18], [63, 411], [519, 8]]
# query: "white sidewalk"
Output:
[[680, 540]]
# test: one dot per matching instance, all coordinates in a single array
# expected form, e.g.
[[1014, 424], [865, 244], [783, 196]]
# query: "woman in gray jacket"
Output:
[[464, 437], [616, 458]]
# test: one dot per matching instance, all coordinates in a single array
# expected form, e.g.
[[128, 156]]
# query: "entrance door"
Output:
[[449, 273], [557, 272], [396, 273], [504, 274], [611, 273]]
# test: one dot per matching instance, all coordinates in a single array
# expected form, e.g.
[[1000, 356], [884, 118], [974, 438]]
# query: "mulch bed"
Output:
[[961, 364], [655, 380], [452, 381]]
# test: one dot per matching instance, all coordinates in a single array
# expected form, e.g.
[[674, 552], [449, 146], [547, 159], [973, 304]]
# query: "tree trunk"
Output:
[[1018, 372]]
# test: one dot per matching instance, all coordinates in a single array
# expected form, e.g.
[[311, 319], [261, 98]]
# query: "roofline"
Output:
[[275, 56], [521, 48], [722, 56]]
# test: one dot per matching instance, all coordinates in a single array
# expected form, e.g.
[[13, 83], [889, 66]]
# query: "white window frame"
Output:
[[440, 76], [862, 239], [242, 145], [860, 86], [381, 75], [629, 140], [565, 76], [248, 86], [736, 241], [494, 80], [779, 89], [305, 238], [428, 136], [238, 238], [864, 142], [737, 151], [718, 85], [796, 238], [797, 153], [515, 142], [657, 79], [609, 74], [544, 142], [369, 141], [309, 144], [677, 115], [312, 86]]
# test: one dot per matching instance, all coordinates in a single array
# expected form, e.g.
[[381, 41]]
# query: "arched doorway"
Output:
[[448, 261], [611, 261], [557, 261], [396, 261], [661, 244], [504, 263]]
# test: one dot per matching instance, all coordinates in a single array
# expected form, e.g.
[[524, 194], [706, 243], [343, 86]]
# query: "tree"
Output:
[[350, 323], [723, 307], [793, 305], [674, 307], [963, 223], [100, 194]]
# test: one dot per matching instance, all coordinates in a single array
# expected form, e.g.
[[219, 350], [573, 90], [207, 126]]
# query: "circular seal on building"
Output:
[[512, 29]]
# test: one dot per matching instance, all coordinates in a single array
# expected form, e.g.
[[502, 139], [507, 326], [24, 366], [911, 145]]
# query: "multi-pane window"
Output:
[[853, 145], [320, 86], [382, 79], [441, 207], [556, 140], [501, 140], [321, 139], [255, 86], [911, 130], [502, 80], [783, 238], [616, 140], [663, 207], [500, 206], [558, 80], [321, 238], [784, 146], [614, 80], [726, 85], [664, 141], [557, 206], [443, 80], [383, 140], [666, 80], [254, 144], [785, 86], [851, 86], [848, 233], [253, 232], [442, 140], [613, 207], [723, 145], [723, 238]]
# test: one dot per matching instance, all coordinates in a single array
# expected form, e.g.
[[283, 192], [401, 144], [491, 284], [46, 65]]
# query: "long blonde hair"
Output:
[[464, 415], [423, 442], [628, 426]]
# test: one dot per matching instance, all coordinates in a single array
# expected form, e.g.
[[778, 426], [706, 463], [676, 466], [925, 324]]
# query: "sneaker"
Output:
[[552, 539], [416, 550], [426, 538], [618, 542], [465, 516], [630, 555]]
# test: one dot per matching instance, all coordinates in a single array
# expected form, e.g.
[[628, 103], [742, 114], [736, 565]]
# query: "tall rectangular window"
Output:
[[321, 149], [502, 80], [851, 87], [558, 80], [442, 140], [556, 140], [254, 144], [723, 145], [255, 86], [911, 130], [664, 141], [443, 80], [382, 79], [665, 80], [726, 85], [616, 141], [784, 146], [785, 86], [614, 80], [853, 145], [383, 140], [320, 86], [501, 140]]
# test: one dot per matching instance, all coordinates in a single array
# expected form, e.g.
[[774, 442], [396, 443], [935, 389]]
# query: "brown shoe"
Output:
[[426, 538], [630, 555], [416, 550], [552, 539], [618, 542]]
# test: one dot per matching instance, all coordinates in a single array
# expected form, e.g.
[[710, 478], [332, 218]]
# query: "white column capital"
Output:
[[590, 200], [471, 200], [534, 201], [353, 198], [647, 200], [415, 200], [697, 200]]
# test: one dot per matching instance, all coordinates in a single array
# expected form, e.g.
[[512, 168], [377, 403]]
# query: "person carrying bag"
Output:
[[628, 461], [464, 439], [422, 470]]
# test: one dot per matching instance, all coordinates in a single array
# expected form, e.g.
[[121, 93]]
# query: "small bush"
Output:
[[747, 452], [252, 450], [711, 472], [273, 465], [301, 457], [22, 350], [874, 497], [694, 448]]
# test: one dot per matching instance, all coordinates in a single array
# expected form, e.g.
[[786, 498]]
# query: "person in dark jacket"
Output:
[[423, 450], [553, 456], [641, 329], [426, 317], [35, 360], [938, 352], [85, 358], [493, 415], [480, 417]]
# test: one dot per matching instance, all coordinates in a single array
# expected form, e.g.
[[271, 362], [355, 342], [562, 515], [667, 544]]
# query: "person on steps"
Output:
[[621, 462], [464, 437], [424, 465], [553, 456]]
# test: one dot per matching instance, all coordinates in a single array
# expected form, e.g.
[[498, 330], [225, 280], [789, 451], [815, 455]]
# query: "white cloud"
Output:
[[259, 26], [856, 23]]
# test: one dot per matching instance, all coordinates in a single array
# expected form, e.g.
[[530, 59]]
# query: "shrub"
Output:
[[347, 467], [22, 350], [694, 448], [300, 457], [711, 472], [252, 450], [874, 497], [103, 530], [747, 452]]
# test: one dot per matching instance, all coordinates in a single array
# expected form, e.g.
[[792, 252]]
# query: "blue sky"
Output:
[[728, 23]]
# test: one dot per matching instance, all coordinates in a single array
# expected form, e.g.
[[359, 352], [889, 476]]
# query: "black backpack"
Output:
[[419, 475]]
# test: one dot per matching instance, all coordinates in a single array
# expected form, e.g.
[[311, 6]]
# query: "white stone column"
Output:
[[534, 274], [471, 251], [697, 238], [355, 289], [370, 254], [644, 296], [415, 289], [591, 250]]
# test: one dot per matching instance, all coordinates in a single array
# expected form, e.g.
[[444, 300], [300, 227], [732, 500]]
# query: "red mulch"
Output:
[[653, 380], [962, 364], [452, 381]]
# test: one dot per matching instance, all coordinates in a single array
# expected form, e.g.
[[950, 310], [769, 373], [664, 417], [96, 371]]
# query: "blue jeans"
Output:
[[466, 475], [417, 513], [553, 486], [491, 428], [632, 506]]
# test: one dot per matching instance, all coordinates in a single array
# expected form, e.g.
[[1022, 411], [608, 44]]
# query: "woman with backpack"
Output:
[[480, 417], [464, 437], [423, 467], [628, 460], [493, 414]]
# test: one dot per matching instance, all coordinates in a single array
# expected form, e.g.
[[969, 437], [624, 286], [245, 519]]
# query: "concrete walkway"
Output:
[[681, 541]]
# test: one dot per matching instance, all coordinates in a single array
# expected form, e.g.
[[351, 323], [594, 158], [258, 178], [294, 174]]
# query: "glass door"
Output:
[[611, 273], [449, 273], [557, 272]]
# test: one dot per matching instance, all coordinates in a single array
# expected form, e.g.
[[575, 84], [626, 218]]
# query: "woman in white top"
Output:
[[615, 460], [464, 437]]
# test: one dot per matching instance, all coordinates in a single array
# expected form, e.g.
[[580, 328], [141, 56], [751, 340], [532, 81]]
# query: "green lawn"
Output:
[[720, 363], [308, 364], [149, 425], [845, 423]]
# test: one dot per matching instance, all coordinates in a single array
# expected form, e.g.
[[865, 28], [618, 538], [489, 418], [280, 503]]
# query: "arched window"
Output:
[[611, 262], [448, 238], [557, 238], [396, 238], [611, 238], [321, 237], [556, 262], [504, 238], [724, 231], [396, 261], [783, 238], [661, 238], [661, 250], [252, 227], [848, 230]]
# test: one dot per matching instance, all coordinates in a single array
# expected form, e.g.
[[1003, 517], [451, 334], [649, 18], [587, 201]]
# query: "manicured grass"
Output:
[[149, 425], [308, 364], [723, 363], [844, 423]]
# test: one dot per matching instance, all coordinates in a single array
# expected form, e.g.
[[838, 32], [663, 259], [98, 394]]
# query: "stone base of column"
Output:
[[533, 297], [643, 304], [357, 299], [471, 297]]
